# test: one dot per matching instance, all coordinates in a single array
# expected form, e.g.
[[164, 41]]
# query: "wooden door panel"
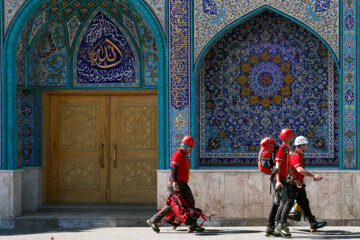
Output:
[[133, 120], [78, 128]]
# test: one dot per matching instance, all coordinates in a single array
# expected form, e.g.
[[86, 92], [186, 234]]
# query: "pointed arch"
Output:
[[221, 35], [8, 133]]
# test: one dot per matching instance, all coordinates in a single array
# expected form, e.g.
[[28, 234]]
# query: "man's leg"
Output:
[[287, 205], [186, 192], [154, 220], [303, 201], [304, 204], [273, 213]]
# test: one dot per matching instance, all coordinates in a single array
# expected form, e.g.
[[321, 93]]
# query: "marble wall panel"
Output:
[[235, 194], [10, 193], [31, 188]]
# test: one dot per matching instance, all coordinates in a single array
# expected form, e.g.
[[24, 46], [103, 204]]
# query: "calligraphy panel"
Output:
[[179, 29], [106, 57]]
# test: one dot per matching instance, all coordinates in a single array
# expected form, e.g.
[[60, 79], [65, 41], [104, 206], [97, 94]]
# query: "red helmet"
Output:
[[286, 133], [188, 140]]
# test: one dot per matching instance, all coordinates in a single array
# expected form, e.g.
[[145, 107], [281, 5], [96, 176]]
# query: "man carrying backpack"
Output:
[[279, 184], [298, 167], [180, 172]]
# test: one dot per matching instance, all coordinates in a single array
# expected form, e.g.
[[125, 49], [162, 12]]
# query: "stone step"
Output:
[[81, 216]]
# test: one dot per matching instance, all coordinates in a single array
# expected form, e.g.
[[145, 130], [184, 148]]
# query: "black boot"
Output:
[[283, 230], [195, 228], [270, 230], [316, 225]]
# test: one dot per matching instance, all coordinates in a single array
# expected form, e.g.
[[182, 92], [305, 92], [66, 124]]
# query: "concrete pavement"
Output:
[[139, 233]]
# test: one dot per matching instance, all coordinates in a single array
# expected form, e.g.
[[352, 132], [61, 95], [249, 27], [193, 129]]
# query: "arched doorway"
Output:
[[54, 35], [262, 74]]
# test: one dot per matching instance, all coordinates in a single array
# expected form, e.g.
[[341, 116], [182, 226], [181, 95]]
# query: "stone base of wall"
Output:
[[10, 193], [31, 189], [243, 196]]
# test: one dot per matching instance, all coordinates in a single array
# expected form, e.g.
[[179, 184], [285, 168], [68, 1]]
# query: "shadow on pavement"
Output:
[[13, 232], [329, 234], [212, 232]]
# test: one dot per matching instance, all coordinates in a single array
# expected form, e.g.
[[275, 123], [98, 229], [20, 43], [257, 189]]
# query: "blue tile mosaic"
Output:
[[266, 74]]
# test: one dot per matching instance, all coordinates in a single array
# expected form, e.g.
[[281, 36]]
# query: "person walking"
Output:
[[178, 182], [298, 167], [278, 182]]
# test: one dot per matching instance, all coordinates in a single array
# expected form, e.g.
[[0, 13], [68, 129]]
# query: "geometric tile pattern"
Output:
[[11, 8], [260, 77], [210, 16], [349, 60], [158, 7], [72, 26]]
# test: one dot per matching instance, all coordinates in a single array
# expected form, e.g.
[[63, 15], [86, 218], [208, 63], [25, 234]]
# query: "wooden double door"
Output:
[[101, 147]]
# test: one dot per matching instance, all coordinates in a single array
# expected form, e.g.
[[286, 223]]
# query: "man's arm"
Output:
[[305, 172], [278, 183], [173, 177]]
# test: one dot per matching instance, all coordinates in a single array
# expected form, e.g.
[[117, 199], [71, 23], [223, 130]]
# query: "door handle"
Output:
[[114, 150], [101, 155]]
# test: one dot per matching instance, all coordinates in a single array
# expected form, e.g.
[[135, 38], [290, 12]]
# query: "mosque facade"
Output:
[[96, 96]]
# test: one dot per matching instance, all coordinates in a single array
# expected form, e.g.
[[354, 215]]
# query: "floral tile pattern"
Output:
[[266, 74], [349, 60], [210, 16]]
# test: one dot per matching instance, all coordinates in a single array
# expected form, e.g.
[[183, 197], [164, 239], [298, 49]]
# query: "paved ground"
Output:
[[139, 233]]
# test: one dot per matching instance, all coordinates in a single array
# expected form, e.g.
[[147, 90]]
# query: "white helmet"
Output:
[[301, 140]]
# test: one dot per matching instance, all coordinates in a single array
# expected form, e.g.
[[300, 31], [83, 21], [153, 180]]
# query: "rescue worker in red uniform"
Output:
[[278, 182], [178, 182], [298, 167]]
